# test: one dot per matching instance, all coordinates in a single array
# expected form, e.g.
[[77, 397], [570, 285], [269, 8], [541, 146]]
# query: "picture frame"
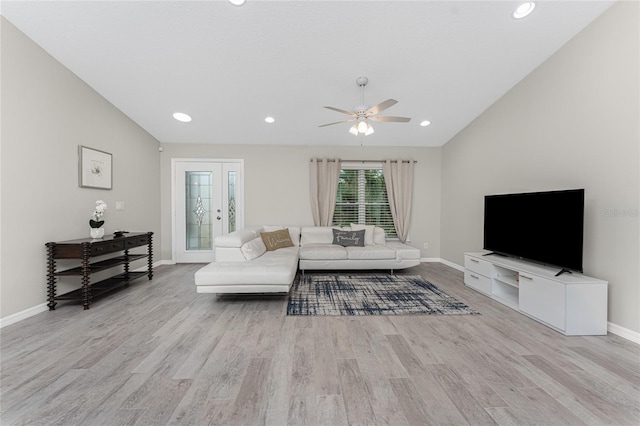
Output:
[[95, 168]]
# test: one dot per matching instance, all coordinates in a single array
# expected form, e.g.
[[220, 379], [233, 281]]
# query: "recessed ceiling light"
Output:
[[425, 123], [270, 120], [181, 116], [237, 2], [524, 10]]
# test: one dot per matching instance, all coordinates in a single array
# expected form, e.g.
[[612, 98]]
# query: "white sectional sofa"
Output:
[[242, 264], [317, 251]]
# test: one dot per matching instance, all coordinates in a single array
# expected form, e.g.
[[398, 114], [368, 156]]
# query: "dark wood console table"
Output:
[[86, 248]]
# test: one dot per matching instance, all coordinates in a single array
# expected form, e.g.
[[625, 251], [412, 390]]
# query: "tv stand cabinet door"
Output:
[[543, 299]]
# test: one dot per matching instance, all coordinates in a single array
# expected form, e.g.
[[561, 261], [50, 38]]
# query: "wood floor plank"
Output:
[[249, 406], [331, 411], [324, 359], [383, 400], [355, 393], [302, 394], [410, 402], [457, 391], [619, 367], [551, 410], [597, 403], [439, 407], [159, 353], [341, 342], [279, 382]]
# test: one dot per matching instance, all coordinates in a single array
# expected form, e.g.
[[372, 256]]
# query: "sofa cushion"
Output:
[[253, 249], [322, 252], [276, 239], [376, 252], [294, 232], [317, 235], [379, 236], [368, 232], [348, 238]]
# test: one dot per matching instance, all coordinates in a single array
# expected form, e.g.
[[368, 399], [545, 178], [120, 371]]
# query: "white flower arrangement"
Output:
[[95, 221]]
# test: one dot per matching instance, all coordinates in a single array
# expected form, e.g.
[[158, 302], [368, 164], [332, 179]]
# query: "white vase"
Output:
[[96, 232]]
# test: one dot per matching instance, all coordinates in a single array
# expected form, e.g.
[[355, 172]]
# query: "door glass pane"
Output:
[[232, 201], [199, 210]]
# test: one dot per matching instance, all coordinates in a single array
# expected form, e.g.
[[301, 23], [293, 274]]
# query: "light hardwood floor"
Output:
[[159, 353]]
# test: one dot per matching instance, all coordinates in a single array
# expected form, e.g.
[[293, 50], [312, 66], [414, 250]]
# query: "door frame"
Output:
[[240, 196]]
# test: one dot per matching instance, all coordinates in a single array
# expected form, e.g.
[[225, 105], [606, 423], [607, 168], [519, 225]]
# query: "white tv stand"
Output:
[[572, 304]]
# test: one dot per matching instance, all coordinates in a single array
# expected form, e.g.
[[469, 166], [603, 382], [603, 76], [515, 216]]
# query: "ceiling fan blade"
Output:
[[336, 122], [389, 118], [340, 110], [381, 106]]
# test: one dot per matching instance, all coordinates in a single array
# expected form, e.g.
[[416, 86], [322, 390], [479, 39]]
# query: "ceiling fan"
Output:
[[361, 114]]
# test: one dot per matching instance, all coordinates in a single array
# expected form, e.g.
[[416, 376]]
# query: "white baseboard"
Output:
[[19, 316], [443, 261], [623, 332], [452, 265], [155, 265]]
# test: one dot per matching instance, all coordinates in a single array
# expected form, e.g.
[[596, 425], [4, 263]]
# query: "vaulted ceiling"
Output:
[[229, 67]]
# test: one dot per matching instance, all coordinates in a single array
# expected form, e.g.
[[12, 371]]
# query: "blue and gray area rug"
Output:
[[371, 294]]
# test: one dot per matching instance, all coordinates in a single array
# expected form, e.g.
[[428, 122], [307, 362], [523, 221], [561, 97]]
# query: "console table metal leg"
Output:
[[51, 278]]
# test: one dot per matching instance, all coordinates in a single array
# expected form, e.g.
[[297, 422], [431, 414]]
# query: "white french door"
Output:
[[207, 202]]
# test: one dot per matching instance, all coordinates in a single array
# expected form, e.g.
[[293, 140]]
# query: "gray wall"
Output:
[[277, 184], [46, 113], [572, 123]]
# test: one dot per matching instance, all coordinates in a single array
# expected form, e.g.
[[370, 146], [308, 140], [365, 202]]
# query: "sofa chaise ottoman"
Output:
[[236, 270]]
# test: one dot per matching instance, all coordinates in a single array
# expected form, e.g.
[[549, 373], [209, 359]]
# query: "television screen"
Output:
[[543, 227]]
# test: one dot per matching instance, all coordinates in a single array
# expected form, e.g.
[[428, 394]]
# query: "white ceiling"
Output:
[[229, 67]]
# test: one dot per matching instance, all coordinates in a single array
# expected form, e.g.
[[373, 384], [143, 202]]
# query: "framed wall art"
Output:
[[95, 168]]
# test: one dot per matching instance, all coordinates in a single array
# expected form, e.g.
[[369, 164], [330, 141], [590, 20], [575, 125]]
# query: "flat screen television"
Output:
[[542, 227]]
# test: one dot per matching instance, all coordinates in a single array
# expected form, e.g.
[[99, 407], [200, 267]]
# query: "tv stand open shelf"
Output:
[[572, 304]]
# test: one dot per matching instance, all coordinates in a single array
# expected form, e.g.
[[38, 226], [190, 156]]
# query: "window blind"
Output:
[[362, 198]]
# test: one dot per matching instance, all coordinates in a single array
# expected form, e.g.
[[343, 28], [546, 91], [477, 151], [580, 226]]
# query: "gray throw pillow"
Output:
[[348, 238]]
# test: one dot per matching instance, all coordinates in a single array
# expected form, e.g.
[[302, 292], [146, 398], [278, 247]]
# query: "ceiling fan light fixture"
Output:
[[369, 130], [425, 123], [237, 2], [362, 113]]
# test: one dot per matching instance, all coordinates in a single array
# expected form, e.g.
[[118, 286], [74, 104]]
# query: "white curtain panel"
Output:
[[398, 178], [323, 181]]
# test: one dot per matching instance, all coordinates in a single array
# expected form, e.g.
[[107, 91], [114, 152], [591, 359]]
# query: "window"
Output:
[[362, 198]]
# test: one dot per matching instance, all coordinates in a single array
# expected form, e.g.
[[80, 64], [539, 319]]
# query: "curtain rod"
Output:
[[331, 160]]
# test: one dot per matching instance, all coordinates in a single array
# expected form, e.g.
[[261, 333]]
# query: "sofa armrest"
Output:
[[236, 238], [404, 251]]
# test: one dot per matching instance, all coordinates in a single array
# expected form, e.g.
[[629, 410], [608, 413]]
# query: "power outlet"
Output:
[[426, 245]]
